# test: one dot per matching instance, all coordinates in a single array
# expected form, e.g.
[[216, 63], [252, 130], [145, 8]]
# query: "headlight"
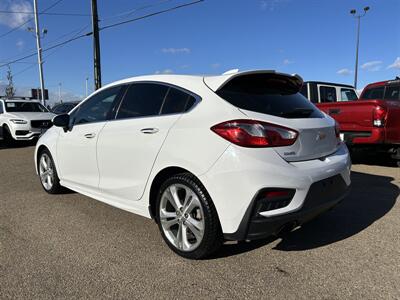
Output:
[[18, 121]]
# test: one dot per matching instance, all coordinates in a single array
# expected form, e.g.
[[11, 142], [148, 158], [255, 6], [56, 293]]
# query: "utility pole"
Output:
[[39, 51], [86, 85], [96, 46], [353, 12]]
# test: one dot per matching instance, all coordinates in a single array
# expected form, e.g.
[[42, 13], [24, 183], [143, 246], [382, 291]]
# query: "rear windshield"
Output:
[[25, 107], [268, 94], [374, 93]]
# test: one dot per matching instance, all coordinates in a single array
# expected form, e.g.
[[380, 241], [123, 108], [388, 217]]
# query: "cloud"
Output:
[[15, 20], [175, 50], [395, 65], [271, 5], [215, 66], [20, 44], [165, 71], [344, 72], [372, 66], [287, 61]]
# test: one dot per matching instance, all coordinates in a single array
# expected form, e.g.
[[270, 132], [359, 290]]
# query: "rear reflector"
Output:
[[255, 134], [273, 198]]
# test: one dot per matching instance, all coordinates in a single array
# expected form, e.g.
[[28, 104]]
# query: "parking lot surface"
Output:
[[71, 246]]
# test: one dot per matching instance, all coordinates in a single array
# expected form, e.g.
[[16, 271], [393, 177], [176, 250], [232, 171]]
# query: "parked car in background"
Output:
[[23, 119], [327, 92], [239, 156], [373, 121], [64, 108]]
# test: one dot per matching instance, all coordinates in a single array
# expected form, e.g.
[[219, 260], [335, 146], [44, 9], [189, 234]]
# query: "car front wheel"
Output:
[[187, 218], [48, 173]]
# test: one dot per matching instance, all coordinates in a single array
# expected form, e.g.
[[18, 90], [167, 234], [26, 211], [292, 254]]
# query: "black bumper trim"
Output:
[[322, 196]]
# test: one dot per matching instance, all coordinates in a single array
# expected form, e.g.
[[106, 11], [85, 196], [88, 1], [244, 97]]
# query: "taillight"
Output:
[[337, 130], [379, 116], [251, 133]]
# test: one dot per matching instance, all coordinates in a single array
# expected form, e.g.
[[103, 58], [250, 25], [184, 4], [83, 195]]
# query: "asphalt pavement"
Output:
[[70, 246]]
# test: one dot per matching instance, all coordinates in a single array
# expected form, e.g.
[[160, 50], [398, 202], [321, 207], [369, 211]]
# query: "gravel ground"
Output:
[[70, 246]]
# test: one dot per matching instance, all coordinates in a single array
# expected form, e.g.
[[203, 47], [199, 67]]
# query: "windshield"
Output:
[[25, 107]]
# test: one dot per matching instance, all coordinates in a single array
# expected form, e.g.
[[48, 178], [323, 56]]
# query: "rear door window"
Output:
[[142, 100], [177, 101], [374, 93], [268, 94], [347, 95], [392, 93], [327, 94]]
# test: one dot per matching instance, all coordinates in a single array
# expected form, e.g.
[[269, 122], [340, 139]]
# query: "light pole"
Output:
[[86, 86], [59, 93], [39, 49], [358, 17]]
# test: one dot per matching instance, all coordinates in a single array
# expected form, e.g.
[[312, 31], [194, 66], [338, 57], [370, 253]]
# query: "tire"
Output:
[[50, 182], [190, 227], [7, 137]]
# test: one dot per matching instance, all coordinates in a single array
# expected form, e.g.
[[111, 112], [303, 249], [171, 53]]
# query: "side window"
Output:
[[97, 108], [177, 101], [392, 92], [327, 94], [142, 99], [347, 95]]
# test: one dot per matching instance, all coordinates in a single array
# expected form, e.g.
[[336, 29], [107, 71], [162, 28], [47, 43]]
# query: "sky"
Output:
[[313, 38]]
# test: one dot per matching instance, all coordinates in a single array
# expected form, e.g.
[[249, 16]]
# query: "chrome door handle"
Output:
[[149, 130], [90, 135]]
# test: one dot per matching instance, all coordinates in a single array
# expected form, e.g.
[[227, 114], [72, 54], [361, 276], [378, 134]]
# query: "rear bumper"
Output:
[[373, 136], [322, 196], [237, 177]]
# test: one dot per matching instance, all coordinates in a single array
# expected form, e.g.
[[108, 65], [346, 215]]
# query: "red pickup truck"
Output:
[[372, 121]]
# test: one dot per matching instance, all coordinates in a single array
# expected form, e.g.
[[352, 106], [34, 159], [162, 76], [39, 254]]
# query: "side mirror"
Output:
[[61, 121]]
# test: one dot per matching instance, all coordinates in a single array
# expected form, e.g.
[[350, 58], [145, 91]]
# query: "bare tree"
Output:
[[10, 89]]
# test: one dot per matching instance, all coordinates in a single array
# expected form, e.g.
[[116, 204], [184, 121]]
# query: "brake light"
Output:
[[337, 130], [255, 134], [379, 116]]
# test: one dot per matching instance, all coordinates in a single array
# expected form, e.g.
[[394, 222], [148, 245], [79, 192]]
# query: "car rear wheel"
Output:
[[187, 218], [48, 173]]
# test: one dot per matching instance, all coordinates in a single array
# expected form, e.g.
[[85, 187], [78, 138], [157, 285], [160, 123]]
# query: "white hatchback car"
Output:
[[236, 157]]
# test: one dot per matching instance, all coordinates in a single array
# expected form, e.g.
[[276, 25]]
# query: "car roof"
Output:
[[331, 83], [20, 100], [193, 82], [383, 83]]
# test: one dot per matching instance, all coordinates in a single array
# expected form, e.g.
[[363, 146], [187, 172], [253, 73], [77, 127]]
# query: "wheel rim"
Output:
[[46, 172], [182, 217]]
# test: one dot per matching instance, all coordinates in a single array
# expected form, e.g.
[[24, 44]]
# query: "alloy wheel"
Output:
[[182, 217]]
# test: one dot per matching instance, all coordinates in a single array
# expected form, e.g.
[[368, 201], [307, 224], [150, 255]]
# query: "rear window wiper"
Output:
[[298, 112]]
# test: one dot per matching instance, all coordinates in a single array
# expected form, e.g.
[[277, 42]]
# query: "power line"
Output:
[[151, 15], [44, 13], [132, 11], [30, 19], [102, 28]]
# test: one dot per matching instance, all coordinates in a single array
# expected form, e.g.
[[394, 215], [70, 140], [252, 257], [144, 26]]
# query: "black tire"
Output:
[[56, 188], [8, 140], [212, 237]]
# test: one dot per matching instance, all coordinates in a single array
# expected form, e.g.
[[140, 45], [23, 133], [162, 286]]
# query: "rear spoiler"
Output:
[[216, 83]]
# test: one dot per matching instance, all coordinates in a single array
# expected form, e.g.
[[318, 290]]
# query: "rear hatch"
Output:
[[274, 98]]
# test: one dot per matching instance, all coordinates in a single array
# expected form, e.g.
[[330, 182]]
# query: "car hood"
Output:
[[32, 115]]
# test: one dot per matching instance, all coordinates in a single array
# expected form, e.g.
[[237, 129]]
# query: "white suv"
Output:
[[23, 119], [238, 156]]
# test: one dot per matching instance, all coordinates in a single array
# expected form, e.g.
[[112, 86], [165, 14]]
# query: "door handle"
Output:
[[334, 111], [90, 135], [149, 130]]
